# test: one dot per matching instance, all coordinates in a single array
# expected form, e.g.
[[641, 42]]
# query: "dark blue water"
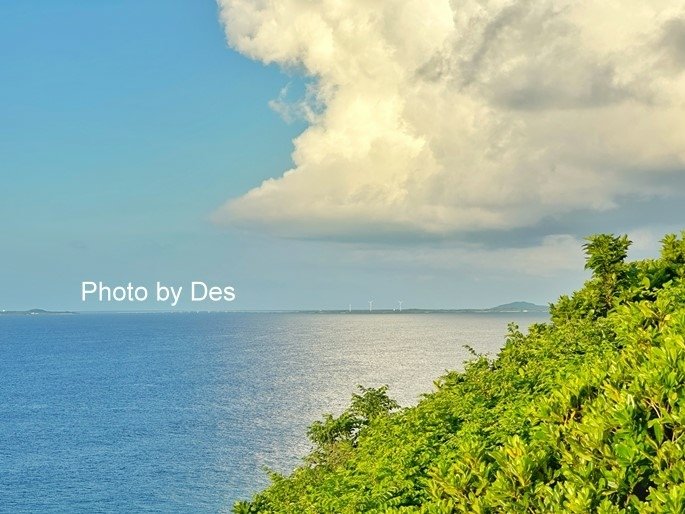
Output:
[[181, 412]]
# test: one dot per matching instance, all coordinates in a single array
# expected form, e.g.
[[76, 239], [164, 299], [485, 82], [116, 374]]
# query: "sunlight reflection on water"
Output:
[[180, 412]]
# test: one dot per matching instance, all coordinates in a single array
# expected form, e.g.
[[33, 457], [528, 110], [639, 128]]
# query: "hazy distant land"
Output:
[[513, 307], [35, 312]]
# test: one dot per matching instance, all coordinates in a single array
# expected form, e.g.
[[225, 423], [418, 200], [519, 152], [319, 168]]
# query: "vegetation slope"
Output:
[[582, 414]]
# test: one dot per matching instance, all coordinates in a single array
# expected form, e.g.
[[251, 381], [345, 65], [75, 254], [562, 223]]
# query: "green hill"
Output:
[[581, 414], [519, 307]]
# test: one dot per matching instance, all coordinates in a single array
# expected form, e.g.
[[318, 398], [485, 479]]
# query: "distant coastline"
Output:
[[513, 308]]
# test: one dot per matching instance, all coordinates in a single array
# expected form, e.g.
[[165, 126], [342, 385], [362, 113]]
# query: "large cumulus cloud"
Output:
[[437, 118]]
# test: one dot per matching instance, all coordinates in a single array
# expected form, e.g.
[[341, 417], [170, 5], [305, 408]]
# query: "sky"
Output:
[[319, 154]]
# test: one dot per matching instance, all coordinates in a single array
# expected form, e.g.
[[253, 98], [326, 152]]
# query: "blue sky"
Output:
[[125, 125]]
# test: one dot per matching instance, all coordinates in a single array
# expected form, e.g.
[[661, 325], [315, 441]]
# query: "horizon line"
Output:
[[493, 309]]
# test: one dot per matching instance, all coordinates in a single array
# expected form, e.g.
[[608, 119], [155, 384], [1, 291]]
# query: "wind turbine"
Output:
[[370, 305], [400, 302]]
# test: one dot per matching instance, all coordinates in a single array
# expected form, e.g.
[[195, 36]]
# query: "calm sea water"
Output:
[[181, 412]]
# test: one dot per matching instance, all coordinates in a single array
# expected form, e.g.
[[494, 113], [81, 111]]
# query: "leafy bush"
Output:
[[582, 414]]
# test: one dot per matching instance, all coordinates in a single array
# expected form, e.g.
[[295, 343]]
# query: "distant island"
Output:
[[35, 312], [513, 307], [519, 307]]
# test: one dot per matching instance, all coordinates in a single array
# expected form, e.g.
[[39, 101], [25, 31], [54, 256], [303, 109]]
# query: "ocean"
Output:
[[183, 412]]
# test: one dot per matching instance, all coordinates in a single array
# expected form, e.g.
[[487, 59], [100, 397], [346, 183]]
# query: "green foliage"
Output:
[[332, 430], [371, 403], [605, 257], [673, 254], [333, 437], [605, 253], [582, 414]]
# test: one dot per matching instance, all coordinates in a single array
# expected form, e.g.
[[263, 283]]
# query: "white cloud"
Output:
[[647, 240], [555, 254], [445, 117]]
